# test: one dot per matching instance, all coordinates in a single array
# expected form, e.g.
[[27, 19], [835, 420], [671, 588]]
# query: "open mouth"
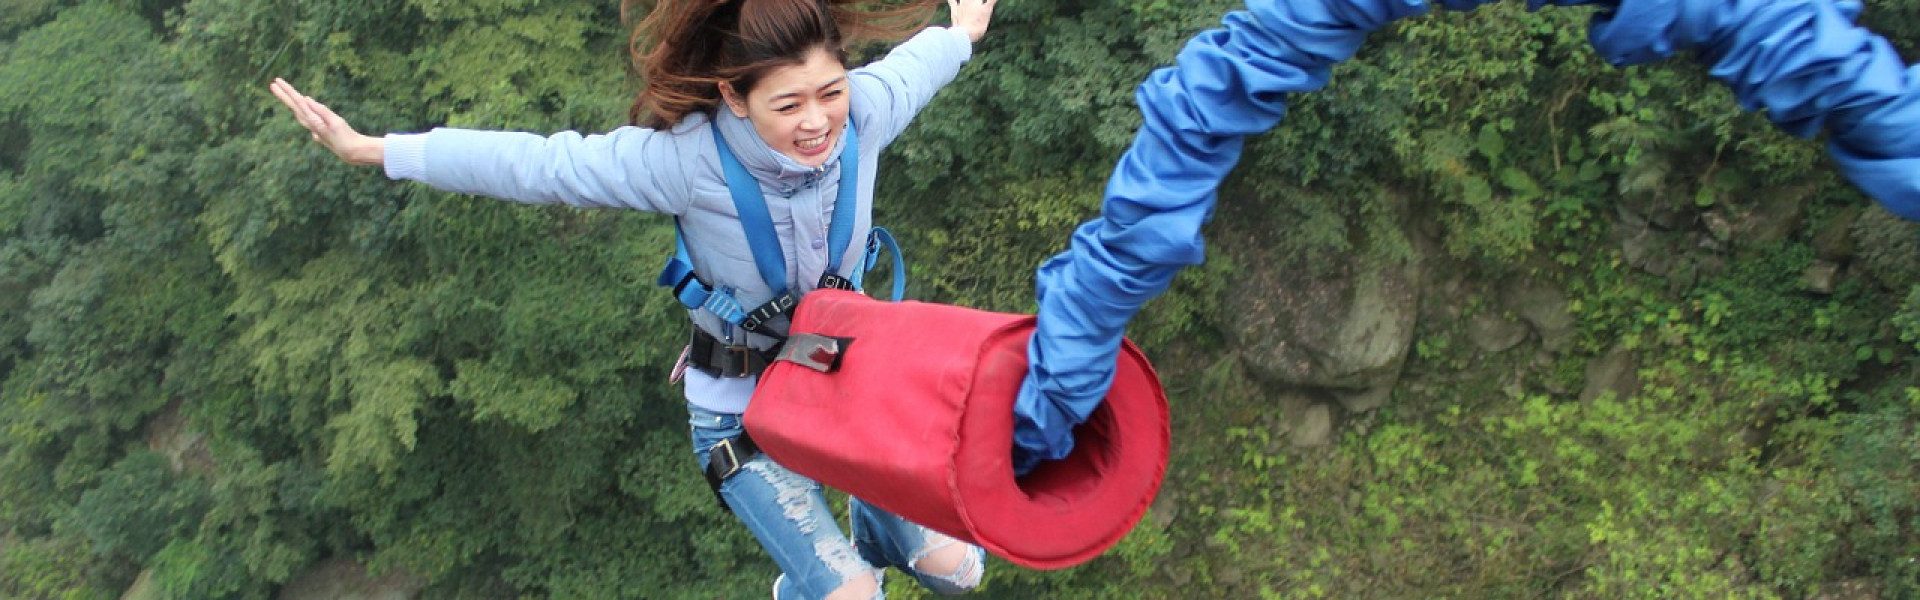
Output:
[[812, 146]]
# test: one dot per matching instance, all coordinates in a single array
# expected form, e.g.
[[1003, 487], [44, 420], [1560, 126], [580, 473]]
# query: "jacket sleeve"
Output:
[[890, 91], [629, 167]]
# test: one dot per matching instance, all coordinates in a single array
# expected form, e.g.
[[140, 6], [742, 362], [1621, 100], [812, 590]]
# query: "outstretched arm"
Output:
[[629, 167]]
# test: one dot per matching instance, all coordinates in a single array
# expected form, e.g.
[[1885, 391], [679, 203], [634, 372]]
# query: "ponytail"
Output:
[[683, 49]]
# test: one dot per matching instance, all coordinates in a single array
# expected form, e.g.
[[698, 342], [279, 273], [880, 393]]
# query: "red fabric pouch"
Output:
[[917, 418]]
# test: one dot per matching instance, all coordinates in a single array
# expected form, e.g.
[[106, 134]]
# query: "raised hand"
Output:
[[328, 128], [972, 16]]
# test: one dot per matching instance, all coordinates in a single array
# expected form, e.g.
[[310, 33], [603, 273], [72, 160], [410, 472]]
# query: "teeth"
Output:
[[812, 143]]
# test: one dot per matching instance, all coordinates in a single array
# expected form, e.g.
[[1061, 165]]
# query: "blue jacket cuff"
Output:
[[406, 156]]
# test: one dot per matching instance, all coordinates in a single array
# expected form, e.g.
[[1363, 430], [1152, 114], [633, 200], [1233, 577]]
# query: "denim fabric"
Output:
[[788, 513], [886, 540]]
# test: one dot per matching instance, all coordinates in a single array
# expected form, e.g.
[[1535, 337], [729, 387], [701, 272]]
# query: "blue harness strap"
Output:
[[751, 205], [754, 218], [840, 229], [877, 239]]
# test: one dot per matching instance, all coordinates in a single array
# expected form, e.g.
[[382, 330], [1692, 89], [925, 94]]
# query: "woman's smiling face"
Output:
[[800, 110]]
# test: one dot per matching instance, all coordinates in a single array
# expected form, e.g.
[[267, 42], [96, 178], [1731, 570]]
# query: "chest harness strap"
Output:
[[695, 293]]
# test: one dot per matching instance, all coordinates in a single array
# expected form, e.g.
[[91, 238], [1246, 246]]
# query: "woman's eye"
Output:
[[786, 108], [834, 94]]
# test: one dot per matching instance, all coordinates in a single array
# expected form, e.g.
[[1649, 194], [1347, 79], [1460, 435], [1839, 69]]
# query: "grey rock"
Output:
[[343, 579], [1350, 329], [1359, 401], [1314, 428], [1779, 214], [1667, 218], [169, 434], [1835, 241], [1638, 246], [1819, 278], [1717, 226], [143, 588], [1495, 333], [1545, 308], [1616, 371]]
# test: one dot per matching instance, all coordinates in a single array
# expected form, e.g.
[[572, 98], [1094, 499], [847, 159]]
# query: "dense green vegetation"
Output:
[[225, 357]]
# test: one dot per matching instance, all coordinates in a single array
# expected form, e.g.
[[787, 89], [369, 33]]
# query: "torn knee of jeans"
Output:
[[840, 558], [793, 492], [948, 560]]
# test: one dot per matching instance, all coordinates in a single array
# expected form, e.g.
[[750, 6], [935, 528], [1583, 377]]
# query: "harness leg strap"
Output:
[[725, 459]]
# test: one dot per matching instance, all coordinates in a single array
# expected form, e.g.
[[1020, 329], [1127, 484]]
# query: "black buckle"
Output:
[[732, 449], [719, 359], [834, 281], [740, 361], [732, 462], [757, 319], [689, 278]]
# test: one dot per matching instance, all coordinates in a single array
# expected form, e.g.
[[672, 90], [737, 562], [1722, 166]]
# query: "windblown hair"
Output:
[[684, 49]]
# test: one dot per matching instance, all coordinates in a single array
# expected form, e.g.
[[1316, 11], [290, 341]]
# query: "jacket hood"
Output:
[[762, 161]]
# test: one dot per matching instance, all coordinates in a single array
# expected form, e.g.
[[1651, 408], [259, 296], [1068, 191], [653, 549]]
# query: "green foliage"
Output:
[[189, 569], [1888, 246], [472, 392], [135, 509], [1004, 234], [54, 568]]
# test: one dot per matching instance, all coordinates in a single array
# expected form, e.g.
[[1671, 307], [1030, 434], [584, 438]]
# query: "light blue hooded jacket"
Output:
[[677, 172]]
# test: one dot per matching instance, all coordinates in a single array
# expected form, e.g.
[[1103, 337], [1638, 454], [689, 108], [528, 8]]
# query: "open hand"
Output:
[[328, 128], [972, 16]]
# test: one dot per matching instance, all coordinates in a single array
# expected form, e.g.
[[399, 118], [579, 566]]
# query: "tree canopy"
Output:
[[226, 358]]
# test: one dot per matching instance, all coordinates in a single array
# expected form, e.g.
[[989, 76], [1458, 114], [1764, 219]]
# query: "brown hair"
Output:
[[684, 49]]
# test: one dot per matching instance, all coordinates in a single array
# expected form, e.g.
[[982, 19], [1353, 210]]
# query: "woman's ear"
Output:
[[733, 100]]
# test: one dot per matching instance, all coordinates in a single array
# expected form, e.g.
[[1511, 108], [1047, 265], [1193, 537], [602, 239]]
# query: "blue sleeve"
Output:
[[1807, 63], [1226, 84], [630, 167], [890, 91]]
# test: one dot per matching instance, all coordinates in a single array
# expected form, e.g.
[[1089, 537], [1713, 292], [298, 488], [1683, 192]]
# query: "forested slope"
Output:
[[1484, 318]]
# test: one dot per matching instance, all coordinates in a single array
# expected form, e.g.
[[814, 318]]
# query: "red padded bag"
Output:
[[917, 418]]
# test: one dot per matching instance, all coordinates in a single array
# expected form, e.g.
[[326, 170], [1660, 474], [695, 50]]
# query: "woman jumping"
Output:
[[759, 87]]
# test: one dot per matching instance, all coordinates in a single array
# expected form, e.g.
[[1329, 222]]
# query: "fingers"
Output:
[[971, 10], [295, 102], [326, 116], [310, 113], [284, 93], [972, 16]]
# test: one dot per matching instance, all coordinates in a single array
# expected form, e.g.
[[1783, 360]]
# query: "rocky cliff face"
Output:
[[1331, 338]]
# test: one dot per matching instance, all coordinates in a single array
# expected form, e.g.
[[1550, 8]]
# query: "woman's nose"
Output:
[[813, 118]]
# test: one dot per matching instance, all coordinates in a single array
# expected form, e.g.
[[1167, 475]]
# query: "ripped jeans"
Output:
[[788, 513]]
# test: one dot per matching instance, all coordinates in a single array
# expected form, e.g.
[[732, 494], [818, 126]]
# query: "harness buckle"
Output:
[[836, 282], [742, 358], [732, 462], [756, 320], [730, 451]]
